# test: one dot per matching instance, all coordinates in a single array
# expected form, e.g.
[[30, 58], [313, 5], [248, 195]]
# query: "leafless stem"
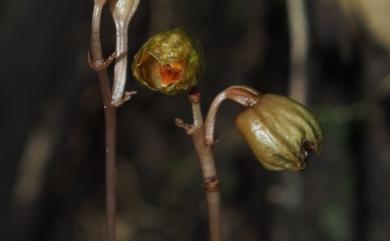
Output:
[[299, 41], [243, 95], [110, 120], [207, 164]]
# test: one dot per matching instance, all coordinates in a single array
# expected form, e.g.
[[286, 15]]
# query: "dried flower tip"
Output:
[[280, 131], [100, 3], [123, 10], [169, 62]]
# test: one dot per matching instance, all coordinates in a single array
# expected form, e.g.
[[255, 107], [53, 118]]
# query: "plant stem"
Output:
[[299, 42], [110, 122], [207, 164], [240, 94]]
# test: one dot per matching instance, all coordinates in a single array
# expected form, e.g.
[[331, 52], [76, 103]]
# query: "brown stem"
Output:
[[207, 164], [110, 121]]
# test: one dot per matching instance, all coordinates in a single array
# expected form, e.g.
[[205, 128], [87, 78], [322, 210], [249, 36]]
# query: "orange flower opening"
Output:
[[169, 62], [172, 73]]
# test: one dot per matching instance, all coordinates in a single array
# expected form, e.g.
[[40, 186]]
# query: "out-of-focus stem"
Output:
[[110, 121], [299, 39], [207, 164]]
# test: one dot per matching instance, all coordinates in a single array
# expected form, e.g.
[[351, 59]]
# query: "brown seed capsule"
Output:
[[169, 62], [280, 132]]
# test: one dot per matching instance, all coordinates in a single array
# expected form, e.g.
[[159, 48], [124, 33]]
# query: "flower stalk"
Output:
[[99, 64], [109, 119], [240, 94], [207, 165]]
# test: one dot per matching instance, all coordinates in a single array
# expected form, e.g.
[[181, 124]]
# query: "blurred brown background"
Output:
[[51, 123]]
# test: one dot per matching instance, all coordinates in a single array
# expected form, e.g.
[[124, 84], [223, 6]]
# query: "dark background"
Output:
[[52, 136]]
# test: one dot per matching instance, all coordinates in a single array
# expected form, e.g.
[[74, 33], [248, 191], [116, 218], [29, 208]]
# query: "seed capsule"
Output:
[[169, 62], [280, 132]]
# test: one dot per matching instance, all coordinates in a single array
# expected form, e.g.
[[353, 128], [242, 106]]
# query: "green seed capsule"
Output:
[[280, 132], [169, 62]]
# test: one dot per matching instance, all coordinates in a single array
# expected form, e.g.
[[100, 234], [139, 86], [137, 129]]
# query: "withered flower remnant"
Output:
[[169, 62], [280, 132], [122, 12]]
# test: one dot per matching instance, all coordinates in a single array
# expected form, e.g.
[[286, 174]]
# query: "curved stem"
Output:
[[110, 121], [207, 164], [243, 95]]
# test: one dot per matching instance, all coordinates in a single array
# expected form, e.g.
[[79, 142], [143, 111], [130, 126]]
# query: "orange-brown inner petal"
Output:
[[172, 73]]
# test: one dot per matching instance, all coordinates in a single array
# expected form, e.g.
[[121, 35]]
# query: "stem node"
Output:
[[207, 165], [211, 184]]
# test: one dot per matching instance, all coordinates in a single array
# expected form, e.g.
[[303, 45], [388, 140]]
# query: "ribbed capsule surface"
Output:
[[169, 62], [280, 132]]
